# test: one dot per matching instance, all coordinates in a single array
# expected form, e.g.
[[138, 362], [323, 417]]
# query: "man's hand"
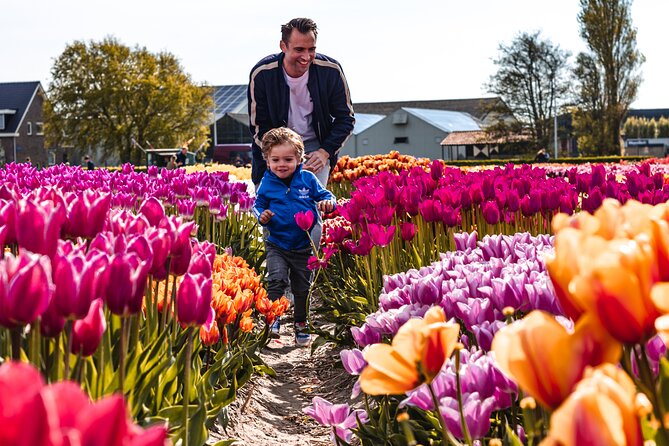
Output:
[[326, 206], [316, 160], [266, 216]]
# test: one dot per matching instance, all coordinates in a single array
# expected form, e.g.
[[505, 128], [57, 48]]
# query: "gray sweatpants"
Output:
[[283, 265]]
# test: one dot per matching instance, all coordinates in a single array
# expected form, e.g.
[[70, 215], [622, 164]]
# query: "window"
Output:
[[29, 128], [39, 128], [401, 140], [2, 121]]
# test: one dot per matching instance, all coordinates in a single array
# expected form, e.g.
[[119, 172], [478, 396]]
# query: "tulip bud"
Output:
[[87, 332]]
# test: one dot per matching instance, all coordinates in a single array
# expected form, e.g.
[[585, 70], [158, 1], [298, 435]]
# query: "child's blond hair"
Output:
[[282, 135]]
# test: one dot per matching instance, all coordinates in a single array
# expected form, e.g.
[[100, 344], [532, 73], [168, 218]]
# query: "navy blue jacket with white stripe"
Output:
[[304, 192], [269, 99]]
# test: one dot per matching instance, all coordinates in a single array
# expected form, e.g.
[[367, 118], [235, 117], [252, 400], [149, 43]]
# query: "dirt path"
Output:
[[268, 411]]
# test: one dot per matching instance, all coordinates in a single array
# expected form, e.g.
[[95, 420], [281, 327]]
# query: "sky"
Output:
[[390, 51]]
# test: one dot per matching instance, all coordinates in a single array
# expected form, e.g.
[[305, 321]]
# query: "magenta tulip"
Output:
[[200, 264], [8, 219], [51, 322], [38, 226], [87, 332], [86, 214], [379, 235], [127, 273], [407, 231], [194, 300], [491, 212], [25, 288], [161, 244], [305, 220], [153, 210]]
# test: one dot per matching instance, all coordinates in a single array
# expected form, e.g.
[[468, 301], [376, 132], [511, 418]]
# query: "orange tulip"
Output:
[[418, 351], [246, 323], [618, 289], [211, 336], [546, 360], [601, 411]]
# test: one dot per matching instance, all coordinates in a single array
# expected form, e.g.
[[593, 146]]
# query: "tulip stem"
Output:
[[16, 343], [122, 352], [186, 391], [647, 376], [68, 348], [445, 434], [461, 409]]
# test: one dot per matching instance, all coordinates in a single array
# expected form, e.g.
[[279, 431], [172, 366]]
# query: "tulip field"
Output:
[[512, 305]]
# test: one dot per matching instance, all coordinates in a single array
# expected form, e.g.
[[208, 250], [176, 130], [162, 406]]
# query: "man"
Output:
[[305, 91], [182, 157], [89, 163]]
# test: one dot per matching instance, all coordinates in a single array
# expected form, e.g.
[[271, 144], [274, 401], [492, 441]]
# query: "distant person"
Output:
[[89, 163], [28, 160], [542, 156], [286, 189], [182, 157], [172, 163], [319, 108]]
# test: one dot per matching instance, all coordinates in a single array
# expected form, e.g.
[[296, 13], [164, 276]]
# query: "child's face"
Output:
[[282, 160]]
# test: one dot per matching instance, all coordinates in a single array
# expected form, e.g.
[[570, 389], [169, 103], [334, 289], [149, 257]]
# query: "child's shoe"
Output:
[[275, 327], [302, 335]]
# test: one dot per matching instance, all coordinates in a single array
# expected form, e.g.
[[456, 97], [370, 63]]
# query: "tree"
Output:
[[104, 95], [532, 80], [610, 68]]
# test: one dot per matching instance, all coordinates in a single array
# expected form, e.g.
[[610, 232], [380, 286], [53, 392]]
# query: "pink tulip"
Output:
[[194, 300], [87, 332], [23, 418], [38, 226], [305, 220], [181, 249], [25, 288], [51, 322]]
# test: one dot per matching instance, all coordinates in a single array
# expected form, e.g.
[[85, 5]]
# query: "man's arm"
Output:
[[341, 110]]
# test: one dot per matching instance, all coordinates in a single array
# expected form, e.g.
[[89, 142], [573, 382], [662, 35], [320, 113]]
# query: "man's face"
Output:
[[300, 52]]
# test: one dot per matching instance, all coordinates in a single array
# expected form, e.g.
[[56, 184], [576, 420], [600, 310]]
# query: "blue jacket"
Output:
[[269, 99], [304, 193]]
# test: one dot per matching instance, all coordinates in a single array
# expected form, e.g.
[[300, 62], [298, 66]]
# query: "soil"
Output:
[[268, 410]]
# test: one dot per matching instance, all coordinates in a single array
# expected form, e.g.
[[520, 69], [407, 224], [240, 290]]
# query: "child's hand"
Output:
[[266, 216], [326, 206]]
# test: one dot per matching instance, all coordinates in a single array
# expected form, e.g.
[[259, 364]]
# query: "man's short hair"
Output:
[[303, 25], [282, 135]]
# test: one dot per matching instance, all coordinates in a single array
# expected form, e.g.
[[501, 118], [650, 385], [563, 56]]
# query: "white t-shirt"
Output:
[[301, 107]]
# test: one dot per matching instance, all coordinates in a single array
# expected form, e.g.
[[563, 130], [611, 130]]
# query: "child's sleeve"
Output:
[[260, 204], [322, 193]]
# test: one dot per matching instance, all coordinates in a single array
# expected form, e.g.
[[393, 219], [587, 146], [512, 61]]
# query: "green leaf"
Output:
[[512, 438]]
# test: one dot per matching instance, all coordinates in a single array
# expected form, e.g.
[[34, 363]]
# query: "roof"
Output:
[[16, 96], [363, 121], [448, 121], [648, 113], [229, 99], [476, 107], [478, 137]]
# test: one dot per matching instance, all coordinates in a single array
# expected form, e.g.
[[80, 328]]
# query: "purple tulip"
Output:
[[200, 264], [353, 361], [86, 214], [153, 210], [51, 323], [338, 416], [491, 212], [8, 220], [194, 300]]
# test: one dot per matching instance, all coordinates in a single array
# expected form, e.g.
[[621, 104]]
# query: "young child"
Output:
[[286, 189]]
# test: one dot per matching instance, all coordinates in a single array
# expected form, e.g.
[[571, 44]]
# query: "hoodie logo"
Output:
[[304, 192]]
